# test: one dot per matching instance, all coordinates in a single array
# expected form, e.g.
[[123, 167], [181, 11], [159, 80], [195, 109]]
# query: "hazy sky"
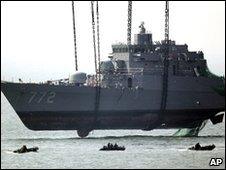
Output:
[[37, 37]]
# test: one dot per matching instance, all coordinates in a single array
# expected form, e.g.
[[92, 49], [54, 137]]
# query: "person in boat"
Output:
[[109, 145], [23, 149], [197, 146], [115, 146]]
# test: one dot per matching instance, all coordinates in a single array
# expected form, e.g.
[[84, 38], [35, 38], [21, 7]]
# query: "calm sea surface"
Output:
[[144, 149]]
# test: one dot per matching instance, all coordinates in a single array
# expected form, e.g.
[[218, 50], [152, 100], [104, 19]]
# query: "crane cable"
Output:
[[129, 23], [97, 63], [94, 41], [98, 41], [74, 31], [167, 22], [165, 61]]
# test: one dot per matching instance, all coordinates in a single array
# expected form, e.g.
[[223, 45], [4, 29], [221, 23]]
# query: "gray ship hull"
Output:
[[148, 120], [60, 107]]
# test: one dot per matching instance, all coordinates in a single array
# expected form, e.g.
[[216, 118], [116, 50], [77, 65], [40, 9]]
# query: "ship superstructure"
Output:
[[145, 58]]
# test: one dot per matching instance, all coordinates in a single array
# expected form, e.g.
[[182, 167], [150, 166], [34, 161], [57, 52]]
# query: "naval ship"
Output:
[[145, 85]]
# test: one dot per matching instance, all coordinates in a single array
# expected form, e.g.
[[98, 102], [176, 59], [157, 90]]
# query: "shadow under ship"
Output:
[[136, 90]]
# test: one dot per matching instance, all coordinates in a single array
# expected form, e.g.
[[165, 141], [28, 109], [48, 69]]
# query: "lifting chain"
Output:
[[94, 40], [165, 61], [167, 22], [73, 15], [98, 40], [129, 23], [97, 64]]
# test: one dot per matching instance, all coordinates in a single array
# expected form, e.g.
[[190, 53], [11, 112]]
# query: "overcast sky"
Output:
[[37, 37]]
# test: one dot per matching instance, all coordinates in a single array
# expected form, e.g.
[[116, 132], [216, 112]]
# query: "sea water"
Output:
[[144, 149]]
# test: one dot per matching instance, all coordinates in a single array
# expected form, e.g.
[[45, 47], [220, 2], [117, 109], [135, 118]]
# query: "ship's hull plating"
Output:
[[45, 120], [50, 107]]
